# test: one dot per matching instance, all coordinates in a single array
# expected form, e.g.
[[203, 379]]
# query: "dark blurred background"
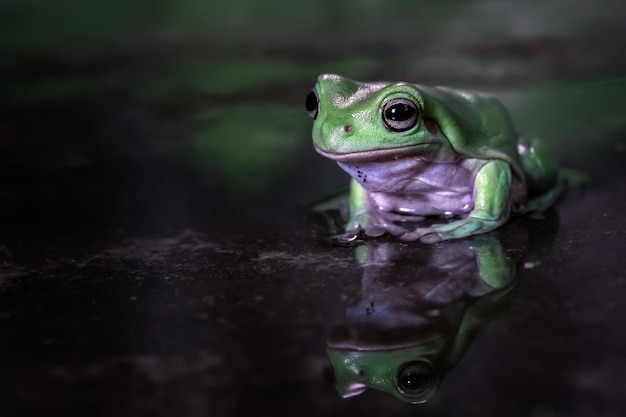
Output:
[[157, 253], [123, 81]]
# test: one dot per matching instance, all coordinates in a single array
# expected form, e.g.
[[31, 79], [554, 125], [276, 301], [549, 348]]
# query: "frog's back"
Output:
[[476, 124], [492, 118], [531, 157]]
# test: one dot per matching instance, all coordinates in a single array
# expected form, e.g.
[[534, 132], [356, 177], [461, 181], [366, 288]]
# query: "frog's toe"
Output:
[[461, 229], [431, 238], [451, 231], [377, 230], [374, 231], [394, 229], [348, 237], [410, 236], [423, 234]]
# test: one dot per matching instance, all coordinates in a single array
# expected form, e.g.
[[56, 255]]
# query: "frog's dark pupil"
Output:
[[400, 112], [311, 104], [413, 381], [414, 377]]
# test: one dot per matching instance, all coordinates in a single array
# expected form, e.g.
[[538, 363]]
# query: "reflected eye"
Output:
[[414, 377], [400, 114], [312, 102]]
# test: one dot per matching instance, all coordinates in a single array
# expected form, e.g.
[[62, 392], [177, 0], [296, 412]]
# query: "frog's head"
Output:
[[407, 374], [368, 121]]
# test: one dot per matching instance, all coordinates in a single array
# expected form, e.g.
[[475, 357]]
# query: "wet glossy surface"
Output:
[[157, 251]]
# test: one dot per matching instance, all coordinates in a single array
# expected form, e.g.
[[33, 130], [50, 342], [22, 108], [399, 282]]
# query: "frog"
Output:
[[428, 163]]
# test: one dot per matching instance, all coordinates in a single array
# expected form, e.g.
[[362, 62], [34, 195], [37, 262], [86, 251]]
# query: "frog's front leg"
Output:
[[492, 203], [366, 219]]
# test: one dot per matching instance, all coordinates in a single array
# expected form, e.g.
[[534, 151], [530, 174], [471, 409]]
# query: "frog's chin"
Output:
[[373, 339], [375, 154]]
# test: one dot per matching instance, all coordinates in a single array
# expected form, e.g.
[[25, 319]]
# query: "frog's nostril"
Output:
[[347, 128]]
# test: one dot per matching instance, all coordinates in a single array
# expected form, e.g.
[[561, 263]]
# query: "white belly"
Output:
[[413, 186]]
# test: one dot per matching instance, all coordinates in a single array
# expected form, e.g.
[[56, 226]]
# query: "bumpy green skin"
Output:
[[518, 176]]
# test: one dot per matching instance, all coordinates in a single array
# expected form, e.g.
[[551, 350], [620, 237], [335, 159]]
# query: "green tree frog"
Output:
[[417, 152]]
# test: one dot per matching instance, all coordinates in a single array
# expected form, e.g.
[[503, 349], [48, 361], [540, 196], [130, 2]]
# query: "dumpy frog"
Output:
[[418, 153]]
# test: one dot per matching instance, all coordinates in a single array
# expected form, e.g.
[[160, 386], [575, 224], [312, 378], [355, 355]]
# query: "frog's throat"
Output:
[[375, 154], [373, 340]]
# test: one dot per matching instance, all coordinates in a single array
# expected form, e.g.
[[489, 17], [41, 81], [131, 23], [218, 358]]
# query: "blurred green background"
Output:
[[219, 86]]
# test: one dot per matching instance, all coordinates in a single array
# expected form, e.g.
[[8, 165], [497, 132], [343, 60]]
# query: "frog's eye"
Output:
[[400, 114], [414, 378], [312, 103]]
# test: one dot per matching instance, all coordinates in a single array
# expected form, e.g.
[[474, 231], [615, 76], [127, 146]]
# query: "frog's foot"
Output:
[[454, 230], [370, 226]]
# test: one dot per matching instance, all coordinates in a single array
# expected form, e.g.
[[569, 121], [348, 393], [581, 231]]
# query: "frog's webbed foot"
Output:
[[369, 225], [457, 229]]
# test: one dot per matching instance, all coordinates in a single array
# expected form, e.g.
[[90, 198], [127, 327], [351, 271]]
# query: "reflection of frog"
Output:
[[416, 151], [419, 311]]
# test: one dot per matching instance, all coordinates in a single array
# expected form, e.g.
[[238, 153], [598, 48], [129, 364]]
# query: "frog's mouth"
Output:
[[375, 154]]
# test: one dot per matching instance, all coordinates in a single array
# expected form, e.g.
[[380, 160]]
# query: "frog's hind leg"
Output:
[[544, 201], [567, 178], [543, 176], [540, 167]]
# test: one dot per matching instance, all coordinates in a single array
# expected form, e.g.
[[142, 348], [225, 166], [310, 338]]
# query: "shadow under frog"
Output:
[[420, 308]]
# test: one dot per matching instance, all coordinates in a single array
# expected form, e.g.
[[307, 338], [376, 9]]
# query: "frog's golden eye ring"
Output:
[[312, 103], [414, 378], [400, 114]]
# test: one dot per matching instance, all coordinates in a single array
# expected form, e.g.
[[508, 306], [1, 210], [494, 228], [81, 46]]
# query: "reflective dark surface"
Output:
[[418, 311], [157, 251]]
